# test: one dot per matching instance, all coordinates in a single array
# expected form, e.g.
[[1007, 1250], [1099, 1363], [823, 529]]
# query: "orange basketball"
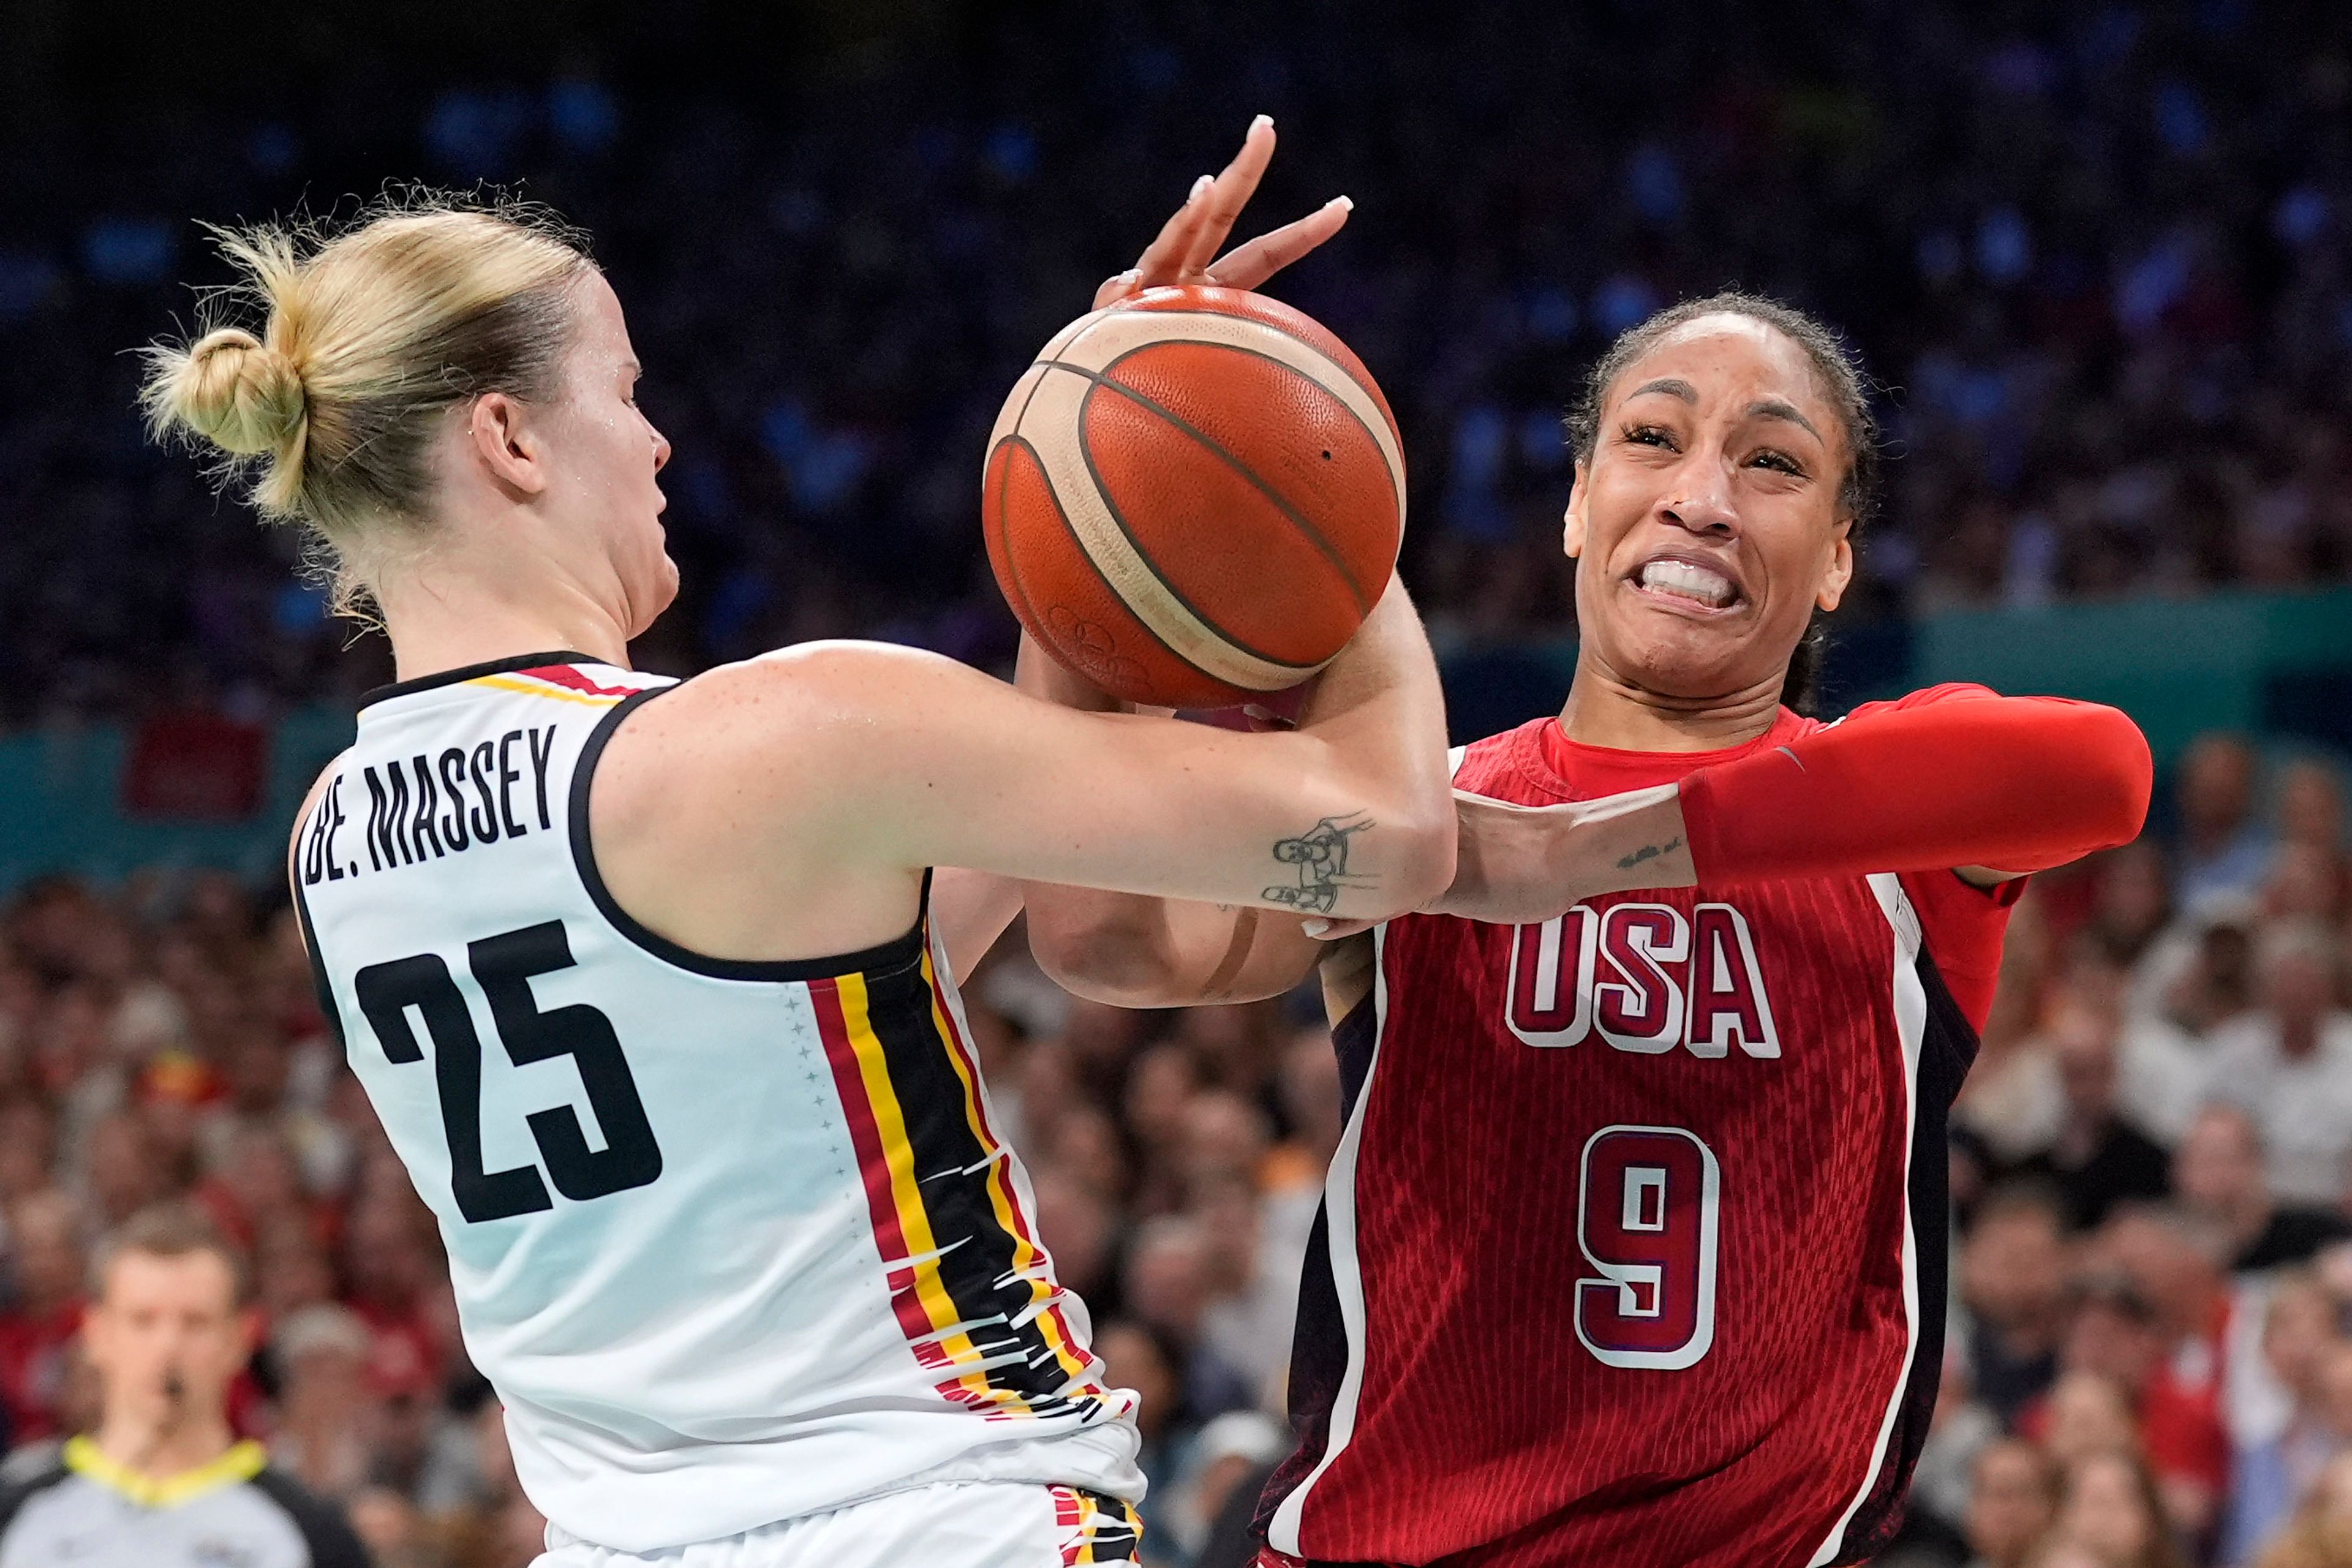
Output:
[[1194, 497]]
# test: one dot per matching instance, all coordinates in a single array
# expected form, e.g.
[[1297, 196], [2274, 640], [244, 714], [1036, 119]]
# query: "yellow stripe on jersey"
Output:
[[1027, 1257], [536, 689], [914, 1219]]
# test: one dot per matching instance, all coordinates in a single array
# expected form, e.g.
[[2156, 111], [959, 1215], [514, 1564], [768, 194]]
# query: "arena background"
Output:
[[2098, 255]]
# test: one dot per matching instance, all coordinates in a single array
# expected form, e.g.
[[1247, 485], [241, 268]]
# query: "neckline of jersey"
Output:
[[242, 1462], [1562, 758], [474, 671]]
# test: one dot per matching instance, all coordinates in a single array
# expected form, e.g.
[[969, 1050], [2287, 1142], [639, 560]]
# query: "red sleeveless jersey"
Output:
[[1633, 1250]]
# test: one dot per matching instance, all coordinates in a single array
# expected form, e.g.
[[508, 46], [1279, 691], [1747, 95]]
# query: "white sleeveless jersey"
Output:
[[733, 1241]]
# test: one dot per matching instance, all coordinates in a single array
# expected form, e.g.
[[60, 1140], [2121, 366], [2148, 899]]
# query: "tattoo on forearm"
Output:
[[1321, 856], [1649, 852]]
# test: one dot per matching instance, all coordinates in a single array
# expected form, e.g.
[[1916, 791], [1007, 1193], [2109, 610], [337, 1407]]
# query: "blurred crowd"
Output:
[[2150, 1362], [2097, 255]]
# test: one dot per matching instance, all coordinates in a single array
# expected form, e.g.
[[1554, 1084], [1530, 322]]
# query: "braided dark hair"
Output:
[[1849, 393]]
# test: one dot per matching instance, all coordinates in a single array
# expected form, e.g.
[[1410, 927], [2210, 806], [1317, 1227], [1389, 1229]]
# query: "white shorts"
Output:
[[987, 1524]]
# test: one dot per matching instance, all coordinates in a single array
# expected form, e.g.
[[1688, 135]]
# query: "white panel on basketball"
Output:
[[1111, 333], [1050, 422]]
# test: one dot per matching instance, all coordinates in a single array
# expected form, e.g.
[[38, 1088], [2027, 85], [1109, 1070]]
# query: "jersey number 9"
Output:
[[1647, 1221]]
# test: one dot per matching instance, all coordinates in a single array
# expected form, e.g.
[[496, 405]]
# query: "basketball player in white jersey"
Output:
[[638, 974]]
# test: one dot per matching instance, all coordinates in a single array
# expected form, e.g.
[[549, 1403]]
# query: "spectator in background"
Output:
[[38, 1331], [2321, 1535], [2097, 1157], [2268, 1476], [2011, 1503], [2217, 1172], [2012, 1280], [163, 1481], [324, 1405], [2223, 849], [2111, 1509], [2118, 1340], [2311, 808], [2290, 1066]]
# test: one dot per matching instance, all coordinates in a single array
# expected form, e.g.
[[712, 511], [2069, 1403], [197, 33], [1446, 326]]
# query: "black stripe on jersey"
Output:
[[17, 1494], [474, 671], [324, 1529], [889, 955], [1947, 1046], [320, 985], [952, 1174], [1318, 1345]]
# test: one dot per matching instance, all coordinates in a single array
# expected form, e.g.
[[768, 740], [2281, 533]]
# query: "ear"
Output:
[[1571, 533], [1841, 571], [506, 441]]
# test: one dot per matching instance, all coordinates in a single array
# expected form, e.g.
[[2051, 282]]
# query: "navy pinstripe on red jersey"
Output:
[[1639, 1258]]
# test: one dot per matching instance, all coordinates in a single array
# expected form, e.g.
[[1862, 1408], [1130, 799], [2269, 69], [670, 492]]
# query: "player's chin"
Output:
[[660, 593], [1677, 656]]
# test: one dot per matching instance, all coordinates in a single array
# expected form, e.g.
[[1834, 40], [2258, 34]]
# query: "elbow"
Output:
[[2122, 776], [1424, 848], [1116, 964]]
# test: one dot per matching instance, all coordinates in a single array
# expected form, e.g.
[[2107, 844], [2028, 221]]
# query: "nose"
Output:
[[661, 448], [1702, 503]]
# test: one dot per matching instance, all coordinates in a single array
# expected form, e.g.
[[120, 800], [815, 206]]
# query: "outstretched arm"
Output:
[[1956, 777]]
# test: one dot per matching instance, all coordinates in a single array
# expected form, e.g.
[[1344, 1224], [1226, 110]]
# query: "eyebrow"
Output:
[[1672, 385], [1773, 408]]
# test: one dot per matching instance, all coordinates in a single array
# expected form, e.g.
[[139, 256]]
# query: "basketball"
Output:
[[1194, 497]]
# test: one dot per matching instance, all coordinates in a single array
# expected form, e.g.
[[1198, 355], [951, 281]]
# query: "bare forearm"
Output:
[[1135, 951]]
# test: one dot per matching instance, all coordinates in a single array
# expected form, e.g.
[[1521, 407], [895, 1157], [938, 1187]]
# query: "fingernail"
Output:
[[1315, 928], [1345, 204], [1264, 120], [1130, 276], [1200, 186]]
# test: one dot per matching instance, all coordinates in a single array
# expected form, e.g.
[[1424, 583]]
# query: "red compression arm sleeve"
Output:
[[1949, 777]]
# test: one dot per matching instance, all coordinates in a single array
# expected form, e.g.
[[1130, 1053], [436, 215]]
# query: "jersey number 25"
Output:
[[503, 966]]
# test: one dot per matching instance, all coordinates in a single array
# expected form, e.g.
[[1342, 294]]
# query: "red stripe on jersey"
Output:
[[1022, 1225], [873, 1168], [566, 676]]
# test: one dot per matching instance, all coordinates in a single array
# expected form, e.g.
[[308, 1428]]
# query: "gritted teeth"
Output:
[[1689, 580]]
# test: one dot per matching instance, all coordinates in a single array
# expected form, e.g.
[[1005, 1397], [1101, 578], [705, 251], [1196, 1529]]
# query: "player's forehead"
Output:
[[1727, 358]]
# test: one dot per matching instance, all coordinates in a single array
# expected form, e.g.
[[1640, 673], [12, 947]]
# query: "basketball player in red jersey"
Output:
[[1633, 1252]]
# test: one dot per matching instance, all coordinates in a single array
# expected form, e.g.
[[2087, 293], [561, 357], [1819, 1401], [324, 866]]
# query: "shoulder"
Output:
[[806, 688], [19, 1485], [311, 797], [1491, 767], [1925, 696], [332, 1542]]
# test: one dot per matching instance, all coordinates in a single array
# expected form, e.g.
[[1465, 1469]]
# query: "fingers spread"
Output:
[[1248, 265], [1163, 259], [1231, 192]]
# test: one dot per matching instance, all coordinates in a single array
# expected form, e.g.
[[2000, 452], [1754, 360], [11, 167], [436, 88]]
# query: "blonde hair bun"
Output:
[[237, 393]]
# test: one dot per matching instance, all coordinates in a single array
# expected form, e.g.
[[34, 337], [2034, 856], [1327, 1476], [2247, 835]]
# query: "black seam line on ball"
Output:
[[1062, 515], [1118, 521], [1312, 535]]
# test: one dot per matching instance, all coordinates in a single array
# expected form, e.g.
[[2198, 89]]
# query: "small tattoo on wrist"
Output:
[[1649, 852], [1321, 856]]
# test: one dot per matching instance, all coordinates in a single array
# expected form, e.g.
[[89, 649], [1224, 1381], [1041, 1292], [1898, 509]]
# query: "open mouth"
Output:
[[1691, 583]]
